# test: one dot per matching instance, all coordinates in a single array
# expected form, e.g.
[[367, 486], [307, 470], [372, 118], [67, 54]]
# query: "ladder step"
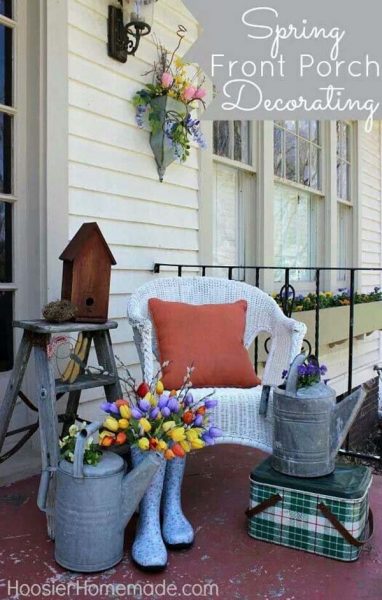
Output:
[[85, 382]]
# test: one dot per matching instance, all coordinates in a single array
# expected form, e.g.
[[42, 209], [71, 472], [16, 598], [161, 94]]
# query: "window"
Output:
[[7, 113], [344, 134], [295, 228], [233, 190], [232, 140], [228, 215], [297, 152], [297, 200], [343, 160]]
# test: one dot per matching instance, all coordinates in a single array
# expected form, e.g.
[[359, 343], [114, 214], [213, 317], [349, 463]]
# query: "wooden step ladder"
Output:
[[37, 335]]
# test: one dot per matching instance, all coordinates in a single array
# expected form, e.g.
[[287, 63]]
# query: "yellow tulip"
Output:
[[197, 444], [168, 425], [151, 398], [162, 446], [191, 434], [145, 424], [111, 424], [177, 434], [143, 444], [123, 423], [125, 411], [159, 388], [186, 446]]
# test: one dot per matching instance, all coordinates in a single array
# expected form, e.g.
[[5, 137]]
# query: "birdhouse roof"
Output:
[[75, 246]]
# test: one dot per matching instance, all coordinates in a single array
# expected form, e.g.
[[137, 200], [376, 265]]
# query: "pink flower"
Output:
[[167, 80], [200, 93], [189, 93]]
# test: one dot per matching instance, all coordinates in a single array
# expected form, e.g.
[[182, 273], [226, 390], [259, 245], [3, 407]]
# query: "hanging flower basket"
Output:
[[165, 107], [169, 113]]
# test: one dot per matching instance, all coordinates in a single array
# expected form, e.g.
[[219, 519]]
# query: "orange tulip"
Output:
[[121, 438], [178, 450], [121, 402], [188, 417], [169, 455], [107, 441]]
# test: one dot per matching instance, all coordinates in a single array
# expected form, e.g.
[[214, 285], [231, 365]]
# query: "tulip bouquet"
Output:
[[173, 423], [174, 78]]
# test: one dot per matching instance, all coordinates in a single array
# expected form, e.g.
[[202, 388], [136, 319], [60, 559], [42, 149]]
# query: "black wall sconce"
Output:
[[123, 39]]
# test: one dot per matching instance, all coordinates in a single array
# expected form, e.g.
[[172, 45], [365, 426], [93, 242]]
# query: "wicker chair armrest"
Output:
[[286, 342], [142, 331]]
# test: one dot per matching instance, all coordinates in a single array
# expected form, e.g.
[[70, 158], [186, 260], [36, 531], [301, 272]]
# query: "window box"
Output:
[[334, 322], [334, 325]]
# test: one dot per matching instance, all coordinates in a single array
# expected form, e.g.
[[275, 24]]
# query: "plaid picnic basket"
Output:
[[327, 515]]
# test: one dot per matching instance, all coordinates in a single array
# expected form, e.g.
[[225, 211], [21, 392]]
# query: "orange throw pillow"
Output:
[[207, 336]]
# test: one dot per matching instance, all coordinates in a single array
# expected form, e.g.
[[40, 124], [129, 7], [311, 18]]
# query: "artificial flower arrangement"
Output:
[[92, 454], [181, 83], [328, 299], [172, 423], [309, 373]]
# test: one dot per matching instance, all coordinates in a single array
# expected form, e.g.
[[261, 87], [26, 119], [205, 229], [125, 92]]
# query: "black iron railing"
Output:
[[287, 297]]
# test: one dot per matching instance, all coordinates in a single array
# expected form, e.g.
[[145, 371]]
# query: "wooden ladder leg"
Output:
[[14, 385], [75, 396], [48, 424], [106, 358]]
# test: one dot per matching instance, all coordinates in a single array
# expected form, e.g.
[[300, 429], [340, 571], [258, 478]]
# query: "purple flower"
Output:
[[166, 412], [198, 422], [208, 440], [323, 369], [210, 403], [215, 432], [173, 404], [106, 407], [188, 399], [284, 373], [144, 405], [163, 400], [114, 409], [154, 413], [136, 413]]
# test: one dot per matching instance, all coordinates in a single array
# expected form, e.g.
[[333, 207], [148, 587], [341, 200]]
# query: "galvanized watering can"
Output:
[[93, 506], [309, 426]]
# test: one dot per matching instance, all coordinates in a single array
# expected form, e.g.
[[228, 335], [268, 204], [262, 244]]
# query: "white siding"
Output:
[[366, 351], [112, 172], [371, 223]]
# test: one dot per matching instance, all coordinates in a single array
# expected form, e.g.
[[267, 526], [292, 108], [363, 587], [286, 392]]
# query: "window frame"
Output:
[[246, 202], [351, 204], [317, 195], [299, 138], [11, 197], [230, 160]]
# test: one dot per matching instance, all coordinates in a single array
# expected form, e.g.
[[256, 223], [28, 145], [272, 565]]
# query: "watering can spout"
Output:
[[343, 417], [135, 484]]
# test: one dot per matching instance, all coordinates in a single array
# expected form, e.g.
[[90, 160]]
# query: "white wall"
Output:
[[367, 351], [112, 172]]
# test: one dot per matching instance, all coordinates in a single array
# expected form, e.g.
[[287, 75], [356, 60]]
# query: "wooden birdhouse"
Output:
[[86, 274]]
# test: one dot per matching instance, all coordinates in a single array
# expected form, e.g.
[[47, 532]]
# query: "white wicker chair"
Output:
[[237, 413]]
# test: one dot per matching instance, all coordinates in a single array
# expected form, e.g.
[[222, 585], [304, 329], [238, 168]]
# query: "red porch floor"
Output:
[[215, 497]]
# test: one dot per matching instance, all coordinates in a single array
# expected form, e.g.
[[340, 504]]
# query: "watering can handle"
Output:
[[291, 382], [78, 463]]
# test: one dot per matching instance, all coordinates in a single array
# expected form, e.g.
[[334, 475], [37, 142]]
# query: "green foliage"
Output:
[[92, 454], [329, 299]]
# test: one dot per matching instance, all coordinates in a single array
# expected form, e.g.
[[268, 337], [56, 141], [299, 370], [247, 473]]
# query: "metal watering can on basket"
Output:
[[93, 506], [310, 426]]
